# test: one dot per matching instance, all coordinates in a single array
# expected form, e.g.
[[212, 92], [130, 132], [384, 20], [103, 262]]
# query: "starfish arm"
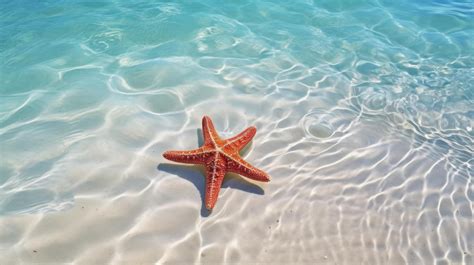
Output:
[[215, 172], [196, 156], [241, 167], [242, 139], [209, 132]]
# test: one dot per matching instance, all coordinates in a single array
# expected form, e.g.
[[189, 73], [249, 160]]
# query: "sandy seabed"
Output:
[[364, 125]]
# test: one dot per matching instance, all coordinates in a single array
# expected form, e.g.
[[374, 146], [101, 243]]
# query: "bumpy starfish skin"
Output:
[[219, 157]]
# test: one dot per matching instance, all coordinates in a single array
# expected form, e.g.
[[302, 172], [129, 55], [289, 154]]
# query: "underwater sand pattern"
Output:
[[365, 119]]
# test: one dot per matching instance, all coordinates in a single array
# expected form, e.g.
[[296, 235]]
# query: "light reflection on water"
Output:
[[365, 121]]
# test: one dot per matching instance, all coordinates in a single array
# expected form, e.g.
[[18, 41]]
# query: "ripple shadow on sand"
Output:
[[365, 121]]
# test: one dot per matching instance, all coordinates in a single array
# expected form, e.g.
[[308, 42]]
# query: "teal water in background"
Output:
[[357, 102]]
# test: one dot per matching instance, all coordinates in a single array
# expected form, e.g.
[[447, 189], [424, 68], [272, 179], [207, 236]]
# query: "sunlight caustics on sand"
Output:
[[364, 113]]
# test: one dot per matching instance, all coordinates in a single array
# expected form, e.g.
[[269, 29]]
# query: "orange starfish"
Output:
[[219, 157]]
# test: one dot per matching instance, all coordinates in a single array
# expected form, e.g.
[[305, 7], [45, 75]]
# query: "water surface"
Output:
[[365, 121]]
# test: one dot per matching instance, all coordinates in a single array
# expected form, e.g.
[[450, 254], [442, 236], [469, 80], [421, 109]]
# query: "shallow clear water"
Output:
[[364, 110]]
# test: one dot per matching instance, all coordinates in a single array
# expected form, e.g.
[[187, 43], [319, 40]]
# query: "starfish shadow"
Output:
[[195, 175]]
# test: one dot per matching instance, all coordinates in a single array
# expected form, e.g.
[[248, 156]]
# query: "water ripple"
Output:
[[363, 110]]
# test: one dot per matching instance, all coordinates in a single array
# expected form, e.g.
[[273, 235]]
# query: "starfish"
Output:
[[219, 157]]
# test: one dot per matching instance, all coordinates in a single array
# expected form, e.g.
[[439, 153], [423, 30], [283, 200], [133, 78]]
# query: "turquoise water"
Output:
[[364, 111]]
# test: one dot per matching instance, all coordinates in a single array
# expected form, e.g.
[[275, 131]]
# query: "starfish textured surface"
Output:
[[219, 157]]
